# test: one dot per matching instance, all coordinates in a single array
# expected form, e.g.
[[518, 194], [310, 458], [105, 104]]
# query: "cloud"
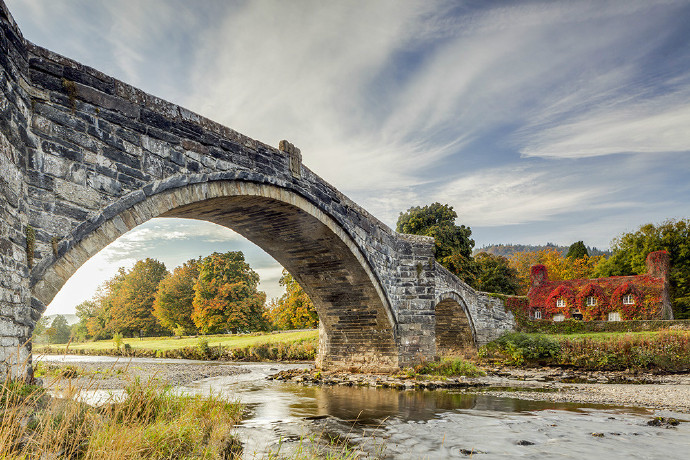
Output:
[[657, 125], [380, 94], [515, 195]]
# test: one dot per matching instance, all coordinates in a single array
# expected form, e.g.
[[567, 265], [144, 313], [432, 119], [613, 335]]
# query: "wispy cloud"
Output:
[[653, 126]]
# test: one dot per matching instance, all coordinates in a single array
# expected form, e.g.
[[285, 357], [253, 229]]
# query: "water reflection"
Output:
[[418, 424]]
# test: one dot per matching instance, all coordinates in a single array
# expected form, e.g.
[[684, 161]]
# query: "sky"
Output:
[[552, 121]]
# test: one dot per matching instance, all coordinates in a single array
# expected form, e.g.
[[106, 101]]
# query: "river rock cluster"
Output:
[[398, 381]]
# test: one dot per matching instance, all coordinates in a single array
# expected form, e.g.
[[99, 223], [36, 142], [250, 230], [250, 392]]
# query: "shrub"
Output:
[[117, 340], [518, 348], [203, 348], [449, 367]]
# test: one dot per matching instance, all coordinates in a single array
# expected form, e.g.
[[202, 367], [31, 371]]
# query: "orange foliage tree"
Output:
[[558, 266], [226, 296], [131, 297], [294, 309], [173, 305]]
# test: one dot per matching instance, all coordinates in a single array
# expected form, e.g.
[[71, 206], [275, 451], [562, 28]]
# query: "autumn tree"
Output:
[[226, 295], [96, 314], [294, 309], [173, 305], [132, 300], [558, 266], [630, 252], [496, 274], [453, 245]]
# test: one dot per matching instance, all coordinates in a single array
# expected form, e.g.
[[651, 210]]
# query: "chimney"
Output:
[[538, 275], [658, 264]]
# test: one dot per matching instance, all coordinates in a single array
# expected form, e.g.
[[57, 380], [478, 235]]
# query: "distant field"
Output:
[[171, 343]]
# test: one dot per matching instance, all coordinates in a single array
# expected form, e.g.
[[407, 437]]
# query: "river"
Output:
[[440, 424]]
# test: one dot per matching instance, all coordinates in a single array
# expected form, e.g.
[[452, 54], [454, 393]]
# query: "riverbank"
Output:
[[648, 390], [117, 375]]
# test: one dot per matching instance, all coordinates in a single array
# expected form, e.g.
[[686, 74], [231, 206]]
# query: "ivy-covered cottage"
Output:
[[609, 299]]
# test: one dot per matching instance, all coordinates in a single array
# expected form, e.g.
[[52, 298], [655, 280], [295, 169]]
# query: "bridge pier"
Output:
[[84, 158]]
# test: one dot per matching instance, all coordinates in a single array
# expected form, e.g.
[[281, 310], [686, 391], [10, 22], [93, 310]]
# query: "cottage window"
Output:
[[560, 303], [614, 316], [559, 317], [591, 301], [628, 299], [537, 314]]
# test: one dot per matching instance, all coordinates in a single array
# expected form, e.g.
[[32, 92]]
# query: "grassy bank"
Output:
[[662, 351], [149, 421], [286, 346]]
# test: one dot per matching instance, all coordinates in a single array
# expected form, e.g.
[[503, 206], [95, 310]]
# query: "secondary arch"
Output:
[[455, 329]]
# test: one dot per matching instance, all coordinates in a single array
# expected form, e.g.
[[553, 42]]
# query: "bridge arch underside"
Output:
[[357, 327], [454, 329]]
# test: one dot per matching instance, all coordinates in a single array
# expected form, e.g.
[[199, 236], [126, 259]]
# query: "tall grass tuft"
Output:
[[149, 421]]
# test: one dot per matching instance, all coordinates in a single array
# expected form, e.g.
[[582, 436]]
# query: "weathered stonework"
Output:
[[84, 158]]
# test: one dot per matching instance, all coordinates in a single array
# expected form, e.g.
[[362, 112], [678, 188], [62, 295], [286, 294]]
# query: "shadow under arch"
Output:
[[358, 328], [455, 329]]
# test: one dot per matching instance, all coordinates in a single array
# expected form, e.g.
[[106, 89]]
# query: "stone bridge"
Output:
[[84, 158]]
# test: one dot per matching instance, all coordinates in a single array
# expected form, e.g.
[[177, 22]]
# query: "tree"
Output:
[[173, 305], [94, 316], [226, 296], [577, 250], [630, 252], [294, 309], [132, 299], [453, 245], [496, 274], [557, 266], [59, 330]]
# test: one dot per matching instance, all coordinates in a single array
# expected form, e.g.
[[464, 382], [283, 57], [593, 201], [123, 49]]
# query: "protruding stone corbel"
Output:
[[295, 158]]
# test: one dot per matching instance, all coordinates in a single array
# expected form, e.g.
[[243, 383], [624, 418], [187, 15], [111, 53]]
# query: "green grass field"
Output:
[[171, 343]]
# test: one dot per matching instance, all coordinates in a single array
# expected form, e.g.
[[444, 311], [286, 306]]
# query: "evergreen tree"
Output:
[[59, 330], [577, 250]]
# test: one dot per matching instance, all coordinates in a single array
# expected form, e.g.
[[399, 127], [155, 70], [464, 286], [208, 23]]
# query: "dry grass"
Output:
[[149, 421]]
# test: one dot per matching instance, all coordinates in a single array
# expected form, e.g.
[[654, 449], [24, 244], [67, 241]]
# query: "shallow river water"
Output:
[[386, 423]]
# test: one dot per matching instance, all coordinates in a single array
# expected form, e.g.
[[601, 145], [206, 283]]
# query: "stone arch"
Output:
[[454, 326], [358, 328]]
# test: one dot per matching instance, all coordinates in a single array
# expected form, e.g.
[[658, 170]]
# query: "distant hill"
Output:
[[71, 319], [507, 250]]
